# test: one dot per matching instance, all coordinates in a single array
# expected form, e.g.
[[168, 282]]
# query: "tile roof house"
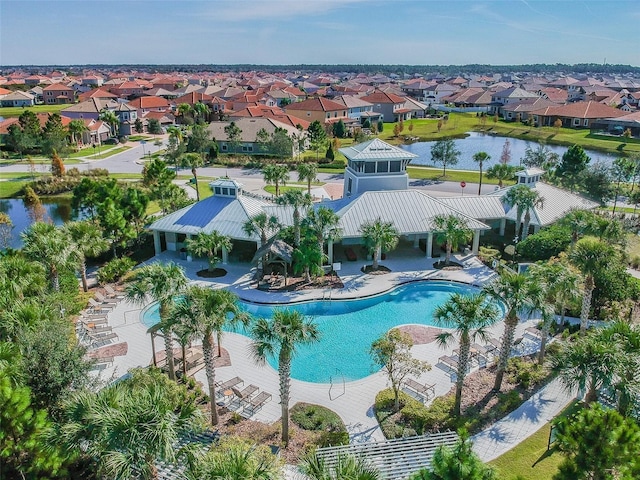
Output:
[[96, 93], [58, 93], [389, 105], [148, 104], [578, 114], [17, 99], [320, 109], [521, 111], [90, 108]]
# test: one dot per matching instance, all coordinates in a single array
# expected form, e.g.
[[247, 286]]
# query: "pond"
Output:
[[57, 210], [492, 144]]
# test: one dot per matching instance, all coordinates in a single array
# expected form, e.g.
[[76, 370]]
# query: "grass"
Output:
[[7, 112], [111, 152], [85, 152], [633, 245], [11, 189], [272, 189], [204, 189], [428, 173], [530, 460], [137, 138]]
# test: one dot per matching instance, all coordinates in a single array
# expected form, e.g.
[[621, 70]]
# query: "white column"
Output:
[[476, 241], [330, 251], [503, 224], [225, 256], [429, 244], [157, 245]]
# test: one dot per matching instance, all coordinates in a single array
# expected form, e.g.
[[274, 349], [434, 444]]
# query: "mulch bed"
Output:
[[420, 334], [215, 273], [116, 350], [381, 270], [444, 266], [299, 283]]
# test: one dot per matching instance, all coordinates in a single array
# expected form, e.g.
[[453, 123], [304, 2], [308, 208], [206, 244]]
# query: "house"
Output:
[[96, 133], [618, 125], [419, 89], [58, 93], [320, 109], [389, 105], [127, 114], [248, 143], [415, 108], [89, 109], [127, 89], [150, 104], [507, 97], [192, 98], [17, 99], [358, 109], [96, 93], [577, 115], [92, 81], [521, 111]]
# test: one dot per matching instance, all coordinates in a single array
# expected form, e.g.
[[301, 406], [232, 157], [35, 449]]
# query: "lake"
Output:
[[480, 142], [58, 210]]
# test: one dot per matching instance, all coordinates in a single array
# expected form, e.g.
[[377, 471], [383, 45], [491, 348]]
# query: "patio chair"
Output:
[[112, 293], [241, 397], [448, 361], [104, 300], [425, 391], [92, 320], [256, 403], [234, 382], [100, 307], [534, 332], [98, 339]]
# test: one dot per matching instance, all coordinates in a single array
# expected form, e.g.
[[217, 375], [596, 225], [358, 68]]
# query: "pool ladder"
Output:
[[331, 385], [327, 296]]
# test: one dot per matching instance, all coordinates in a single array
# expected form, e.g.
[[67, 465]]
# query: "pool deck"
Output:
[[353, 401]]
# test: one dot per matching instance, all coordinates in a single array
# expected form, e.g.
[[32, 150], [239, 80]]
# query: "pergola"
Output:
[[275, 251]]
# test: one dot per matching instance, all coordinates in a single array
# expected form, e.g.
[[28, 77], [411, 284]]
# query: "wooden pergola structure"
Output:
[[275, 251]]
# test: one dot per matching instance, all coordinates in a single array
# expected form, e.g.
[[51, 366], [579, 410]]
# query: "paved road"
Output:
[[130, 161]]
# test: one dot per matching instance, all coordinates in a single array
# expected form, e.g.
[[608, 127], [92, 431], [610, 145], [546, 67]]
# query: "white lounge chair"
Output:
[[425, 391], [113, 293], [256, 403]]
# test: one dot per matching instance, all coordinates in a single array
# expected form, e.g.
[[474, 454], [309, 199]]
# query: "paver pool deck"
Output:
[[353, 401]]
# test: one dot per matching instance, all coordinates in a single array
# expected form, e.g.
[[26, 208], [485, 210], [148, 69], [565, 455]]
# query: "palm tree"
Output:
[[524, 199], [518, 294], [261, 224], [281, 336], [276, 174], [160, 283], [200, 313], [88, 241], [377, 236], [346, 467], [307, 259], [76, 129], [453, 230], [308, 172], [469, 316], [297, 200], [193, 161], [111, 119], [480, 158], [51, 246], [184, 110], [501, 172], [590, 256], [208, 244], [236, 459], [129, 425], [580, 222], [323, 222], [201, 111]]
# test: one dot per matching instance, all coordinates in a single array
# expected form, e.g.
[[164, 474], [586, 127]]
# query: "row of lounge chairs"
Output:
[[423, 391], [92, 327], [250, 399]]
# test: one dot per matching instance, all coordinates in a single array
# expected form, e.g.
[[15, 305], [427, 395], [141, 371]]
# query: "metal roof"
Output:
[[225, 182], [375, 149], [484, 207], [223, 214], [410, 211]]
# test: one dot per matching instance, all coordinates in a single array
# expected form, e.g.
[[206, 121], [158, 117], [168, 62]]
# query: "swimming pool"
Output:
[[348, 327]]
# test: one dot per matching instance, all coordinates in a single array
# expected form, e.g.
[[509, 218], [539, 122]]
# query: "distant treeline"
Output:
[[446, 70]]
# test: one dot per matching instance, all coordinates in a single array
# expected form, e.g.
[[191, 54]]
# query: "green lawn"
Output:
[[633, 245], [10, 189], [16, 111], [530, 460], [85, 152], [137, 138], [285, 188], [110, 153], [428, 173]]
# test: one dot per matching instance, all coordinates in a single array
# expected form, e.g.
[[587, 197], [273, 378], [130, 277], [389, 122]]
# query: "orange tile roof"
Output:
[[96, 93], [581, 110], [57, 87], [316, 105], [149, 102], [193, 98], [383, 97]]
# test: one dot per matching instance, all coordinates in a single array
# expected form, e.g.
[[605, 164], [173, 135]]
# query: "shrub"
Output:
[[508, 402], [548, 242], [487, 255], [333, 438], [524, 373], [115, 269], [315, 417], [438, 416]]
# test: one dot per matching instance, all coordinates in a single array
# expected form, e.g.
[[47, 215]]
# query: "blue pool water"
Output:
[[348, 327]]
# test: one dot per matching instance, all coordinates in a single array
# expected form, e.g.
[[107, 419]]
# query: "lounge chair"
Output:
[[100, 307], [243, 396], [234, 382], [100, 339], [93, 320], [104, 300], [450, 362], [534, 332], [256, 403], [98, 329], [112, 293], [493, 345], [425, 391]]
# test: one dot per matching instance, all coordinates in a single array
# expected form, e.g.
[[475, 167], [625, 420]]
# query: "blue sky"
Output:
[[319, 31]]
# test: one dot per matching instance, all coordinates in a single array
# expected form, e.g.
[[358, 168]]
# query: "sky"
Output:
[[430, 32]]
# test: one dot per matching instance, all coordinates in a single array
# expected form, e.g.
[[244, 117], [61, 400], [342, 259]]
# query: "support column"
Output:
[[416, 241], [429, 244], [503, 224], [330, 251], [476, 242], [225, 256], [157, 245]]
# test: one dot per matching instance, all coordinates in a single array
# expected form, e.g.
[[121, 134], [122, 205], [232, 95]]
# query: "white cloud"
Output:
[[244, 10]]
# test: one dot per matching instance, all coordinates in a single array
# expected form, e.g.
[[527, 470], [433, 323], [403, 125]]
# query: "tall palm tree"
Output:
[[184, 110], [323, 223], [111, 119], [277, 175], [76, 129], [52, 247], [262, 225], [518, 294], [580, 222], [160, 283], [346, 467], [129, 425], [453, 230], [200, 313], [193, 161], [308, 172], [378, 236], [480, 158], [524, 199], [88, 240], [201, 110], [590, 256], [281, 336], [208, 244], [297, 200], [469, 316], [501, 172]]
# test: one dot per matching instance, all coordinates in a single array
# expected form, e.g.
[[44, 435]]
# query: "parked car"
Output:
[[110, 141]]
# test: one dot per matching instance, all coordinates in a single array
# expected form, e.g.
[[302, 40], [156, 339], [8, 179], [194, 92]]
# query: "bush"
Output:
[[635, 262], [115, 269], [548, 242], [524, 373], [438, 416], [315, 417], [508, 402], [488, 255], [333, 438]]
